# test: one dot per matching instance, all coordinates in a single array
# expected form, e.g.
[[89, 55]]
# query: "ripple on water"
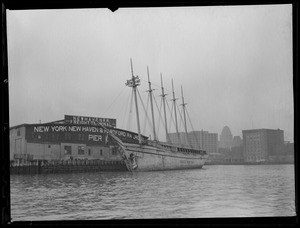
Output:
[[214, 191]]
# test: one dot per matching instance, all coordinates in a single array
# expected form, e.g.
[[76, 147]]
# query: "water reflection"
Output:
[[214, 191]]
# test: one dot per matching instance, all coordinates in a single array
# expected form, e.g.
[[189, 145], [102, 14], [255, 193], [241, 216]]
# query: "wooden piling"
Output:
[[74, 166]]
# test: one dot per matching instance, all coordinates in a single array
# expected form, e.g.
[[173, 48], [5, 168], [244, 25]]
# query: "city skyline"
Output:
[[77, 62]]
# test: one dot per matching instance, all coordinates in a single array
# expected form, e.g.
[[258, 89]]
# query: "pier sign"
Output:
[[73, 133], [96, 121]]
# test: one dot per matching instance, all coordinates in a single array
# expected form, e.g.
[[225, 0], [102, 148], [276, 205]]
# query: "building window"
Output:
[[18, 133], [49, 146], [113, 151], [81, 150], [101, 152], [89, 151], [68, 150]]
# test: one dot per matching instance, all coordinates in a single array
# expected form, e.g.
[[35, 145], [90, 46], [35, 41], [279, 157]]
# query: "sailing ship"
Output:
[[154, 155]]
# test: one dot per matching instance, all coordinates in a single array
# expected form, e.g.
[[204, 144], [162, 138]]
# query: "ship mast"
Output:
[[184, 117], [164, 104], [174, 100], [151, 103], [134, 82]]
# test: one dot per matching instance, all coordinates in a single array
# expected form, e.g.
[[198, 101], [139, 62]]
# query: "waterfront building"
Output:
[[237, 141], [261, 145], [75, 137], [288, 148], [234, 154], [208, 141], [225, 138], [286, 157]]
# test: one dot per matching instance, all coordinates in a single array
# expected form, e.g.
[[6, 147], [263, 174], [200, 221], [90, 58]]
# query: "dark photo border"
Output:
[[113, 6]]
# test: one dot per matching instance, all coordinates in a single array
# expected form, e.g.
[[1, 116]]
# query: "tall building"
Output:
[[209, 141], [225, 138], [197, 139], [237, 141], [261, 144]]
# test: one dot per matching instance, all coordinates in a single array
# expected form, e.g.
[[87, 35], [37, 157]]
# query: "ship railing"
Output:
[[180, 148]]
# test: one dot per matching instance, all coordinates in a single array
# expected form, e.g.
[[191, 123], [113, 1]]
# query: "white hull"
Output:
[[155, 158]]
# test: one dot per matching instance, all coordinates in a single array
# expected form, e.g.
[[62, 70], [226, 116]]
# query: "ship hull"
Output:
[[152, 158]]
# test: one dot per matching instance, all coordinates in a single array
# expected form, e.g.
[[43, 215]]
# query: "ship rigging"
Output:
[[153, 154]]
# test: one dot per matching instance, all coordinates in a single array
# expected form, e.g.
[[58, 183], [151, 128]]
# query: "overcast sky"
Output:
[[234, 63]]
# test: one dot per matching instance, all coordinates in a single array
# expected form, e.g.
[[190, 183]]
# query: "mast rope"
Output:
[[171, 115], [147, 118], [146, 111], [106, 110], [159, 109], [181, 119], [124, 109], [197, 141], [158, 86], [189, 142], [123, 106], [171, 119], [130, 112], [159, 112]]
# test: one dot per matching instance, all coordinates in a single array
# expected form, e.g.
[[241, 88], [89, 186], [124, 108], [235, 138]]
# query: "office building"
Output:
[[237, 141], [225, 138], [259, 145]]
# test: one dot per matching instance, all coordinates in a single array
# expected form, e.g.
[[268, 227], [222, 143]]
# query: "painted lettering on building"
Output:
[[95, 138], [77, 134], [96, 121]]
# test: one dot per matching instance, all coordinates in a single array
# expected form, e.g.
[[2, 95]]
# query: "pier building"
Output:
[[74, 137]]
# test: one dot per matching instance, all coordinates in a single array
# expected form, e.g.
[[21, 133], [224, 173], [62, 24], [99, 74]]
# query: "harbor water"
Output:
[[215, 191]]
